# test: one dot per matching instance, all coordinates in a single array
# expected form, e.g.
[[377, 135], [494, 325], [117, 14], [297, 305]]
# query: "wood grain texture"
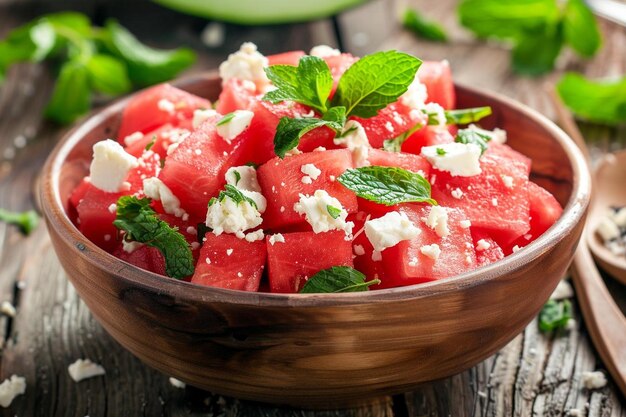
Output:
[[56, 336]]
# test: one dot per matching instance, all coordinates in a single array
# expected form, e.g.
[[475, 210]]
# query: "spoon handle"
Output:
[[604, 319]]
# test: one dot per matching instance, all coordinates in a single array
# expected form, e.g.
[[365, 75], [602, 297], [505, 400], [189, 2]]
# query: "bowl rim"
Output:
[[57, 219]]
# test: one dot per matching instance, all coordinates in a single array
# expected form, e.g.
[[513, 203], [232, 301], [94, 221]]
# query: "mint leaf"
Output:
[[234, 194], [309, 83], [227, 118], [471, 136], [460, 116], [441, 151], [580, 28], [27, 221], [375, 81], [71, 97], [146, 66], [597, 101], [536, 53], [333, 211], [555, 315], [395, 144], [423, 28], [151, 143], [337, 279], [108, 75], [290, 131], [141, 224], [387, 185]]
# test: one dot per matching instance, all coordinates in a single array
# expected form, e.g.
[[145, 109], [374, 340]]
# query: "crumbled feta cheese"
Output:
[[432, 251], [438, 220], [389, 127], [311, 170], [8, 309], [315, 210], [494, 202], [282, 209], [247, 178], [459, 159], [254, 236], [113, 208], [465, 224], [176, 137], [496, 135], [562, 291], [413, 261], [593, 380], [457, 193], [319, 149], [202, 115], [207, 260], [130, 247], [234, 127], [482, 245], [229, 252], [416, 95], [228, 216], [389, 230], [245, 64], [575, 412], [507, 180], [258, 198], [132, 138], [155, 189], [110, 166], [355, 139], [177, 383], [324, 51], [571, 324], [84, 369], [438, 111], [11, 388], [359, 250], [166, 106], [516, 248], [607, 229], [276, 238], [307, 180]]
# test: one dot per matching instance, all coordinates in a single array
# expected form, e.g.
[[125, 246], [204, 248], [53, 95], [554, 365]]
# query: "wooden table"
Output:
[[534, 375]]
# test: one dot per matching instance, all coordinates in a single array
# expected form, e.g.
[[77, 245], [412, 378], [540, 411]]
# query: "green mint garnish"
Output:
[[472, 136], [337, 279], [26, 221], [333, 211], [597, 101], [387, 185], [375, 81], [151, 143], [234, 194], [395, 144], [237, 177], [141, 224], [441, 151], [252, 164], [580, 29], [555, 315], [415, 22], [460, 116], [227, 118]]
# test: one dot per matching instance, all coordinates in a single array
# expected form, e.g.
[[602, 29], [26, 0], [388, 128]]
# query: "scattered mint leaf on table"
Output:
[[108, 75], [141, 224], [416, 23], [71, 96], [580, 29], [536, 53], [337, 279], [387, 185], [27, 221], [472, 136], [596, 101], [555, 315]]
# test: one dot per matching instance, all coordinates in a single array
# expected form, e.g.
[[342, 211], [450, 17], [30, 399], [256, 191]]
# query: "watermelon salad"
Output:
[[311, 173]]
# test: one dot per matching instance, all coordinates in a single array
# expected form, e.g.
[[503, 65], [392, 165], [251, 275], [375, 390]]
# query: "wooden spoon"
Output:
[[609, 190]]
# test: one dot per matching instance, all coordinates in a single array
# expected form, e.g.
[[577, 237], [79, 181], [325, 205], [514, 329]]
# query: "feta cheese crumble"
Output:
[[228, 216], [315, 210], [11, 388], [130, 247], [166, 106], [355, 139], [244, 178], [110, 166], [482, 245], [176, 383], [245, 64], [324, 51], [311, 171], [507, 180], [254, 236], [389, 230], [359, 250], [593, 380], [232, 128], [457, 193], [438, 221], [459, 159], [276, 238], [465, 224], [416, 95], [155, 189], [84, 369], [132, 138], [438, 112], [562, 291], [497, 135], [200, 116], [8, 309], [432, 251]]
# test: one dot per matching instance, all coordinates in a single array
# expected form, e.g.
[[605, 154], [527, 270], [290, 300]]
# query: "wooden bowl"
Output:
[[321, 350]]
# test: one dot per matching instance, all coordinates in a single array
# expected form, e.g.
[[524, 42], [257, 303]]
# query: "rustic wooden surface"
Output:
[[535, 375]]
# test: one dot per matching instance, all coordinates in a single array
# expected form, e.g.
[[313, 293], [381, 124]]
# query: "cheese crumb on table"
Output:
[[11, 388], [84, 369], [8, 309], [593, 380], [177, 383]]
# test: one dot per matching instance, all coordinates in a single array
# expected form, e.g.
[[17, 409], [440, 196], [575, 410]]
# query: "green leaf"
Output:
[[141, 224], [387, 185], [309, 83], [555, 315], [27, 221], [535, 54], [415, 22], [472, 136], [146, 66], [290, 131], [71, 97], [333, 211], [395, 144], [461, 116], [441, 151], [580, 28], [227, 118], [108, 75], [31, 42], [507, 19], [151, 143], [597, 101], [234, 194], [337, 279], [375, 81]]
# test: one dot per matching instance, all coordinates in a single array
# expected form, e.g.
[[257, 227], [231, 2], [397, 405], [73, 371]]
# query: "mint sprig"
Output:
[[387, 185], [555, 315], [461, 116], [337, 279], [26, 221], [472, 136], [141, 224], [234, 194]]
